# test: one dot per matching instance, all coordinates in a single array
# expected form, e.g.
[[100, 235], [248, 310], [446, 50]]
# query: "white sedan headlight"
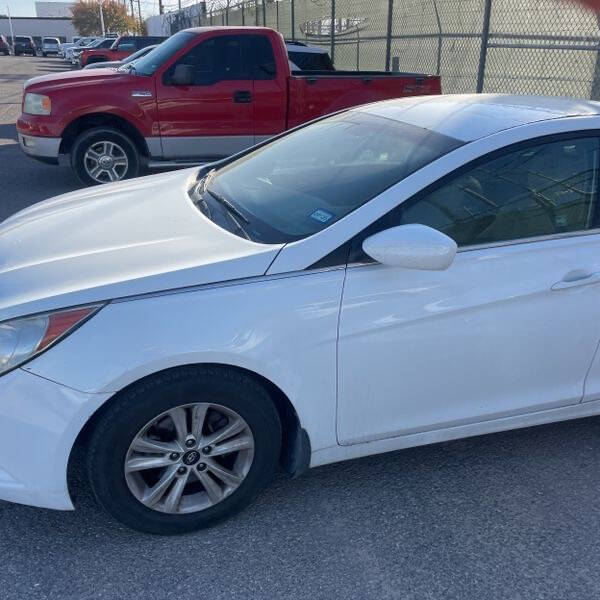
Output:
[[37, 104], [24, 338]]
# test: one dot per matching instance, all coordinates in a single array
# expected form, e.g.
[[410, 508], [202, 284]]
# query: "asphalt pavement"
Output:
[[24, 181], [510, 516]]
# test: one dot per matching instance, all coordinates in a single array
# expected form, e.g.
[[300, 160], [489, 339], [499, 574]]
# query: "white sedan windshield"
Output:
[[309, 179]]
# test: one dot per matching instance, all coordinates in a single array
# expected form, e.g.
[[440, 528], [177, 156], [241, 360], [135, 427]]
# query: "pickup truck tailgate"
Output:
[[313, 94]]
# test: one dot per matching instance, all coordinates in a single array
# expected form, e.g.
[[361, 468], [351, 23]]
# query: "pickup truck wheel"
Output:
[[184, 449], [104, 155]]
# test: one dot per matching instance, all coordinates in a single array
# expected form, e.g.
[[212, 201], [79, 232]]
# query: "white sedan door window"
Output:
[[507, 329]]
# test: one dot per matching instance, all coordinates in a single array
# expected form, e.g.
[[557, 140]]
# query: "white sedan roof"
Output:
[[468, 117]]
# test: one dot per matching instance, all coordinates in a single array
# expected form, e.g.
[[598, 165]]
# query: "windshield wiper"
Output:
[[202, 188], [232, 211], [227, 204]]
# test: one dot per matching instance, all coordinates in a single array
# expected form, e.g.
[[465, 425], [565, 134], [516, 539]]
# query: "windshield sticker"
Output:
[[321, 215]]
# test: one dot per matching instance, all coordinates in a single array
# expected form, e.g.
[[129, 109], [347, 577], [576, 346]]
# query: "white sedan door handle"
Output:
[[577, 278]]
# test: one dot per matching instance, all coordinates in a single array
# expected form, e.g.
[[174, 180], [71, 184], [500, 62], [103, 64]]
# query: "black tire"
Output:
[[93, 136], [147, 399]]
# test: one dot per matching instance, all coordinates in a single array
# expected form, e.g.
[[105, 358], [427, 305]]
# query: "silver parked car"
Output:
[[50, 46]]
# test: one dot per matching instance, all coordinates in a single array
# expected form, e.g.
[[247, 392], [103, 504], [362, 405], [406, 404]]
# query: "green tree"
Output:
[[86, 18]]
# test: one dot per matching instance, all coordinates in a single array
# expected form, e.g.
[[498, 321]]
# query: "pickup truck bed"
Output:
[[201, 95], [315, 93]]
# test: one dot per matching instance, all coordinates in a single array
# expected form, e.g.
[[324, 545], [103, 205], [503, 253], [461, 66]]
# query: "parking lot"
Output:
[[513, 515], [27, 180]]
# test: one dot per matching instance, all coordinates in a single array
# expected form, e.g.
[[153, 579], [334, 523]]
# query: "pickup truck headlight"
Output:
[[22, 339], [37, 104]]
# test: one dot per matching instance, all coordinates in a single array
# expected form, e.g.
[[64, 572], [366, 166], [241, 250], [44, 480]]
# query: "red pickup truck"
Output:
[[120, 49], [201, 95]]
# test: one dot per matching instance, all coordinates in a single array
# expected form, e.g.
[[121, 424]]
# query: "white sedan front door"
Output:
[[510, 328]]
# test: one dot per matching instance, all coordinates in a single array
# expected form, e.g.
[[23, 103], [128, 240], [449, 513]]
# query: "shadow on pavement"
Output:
[[53, 69], [14, 76], [25, 180], [8, 131]]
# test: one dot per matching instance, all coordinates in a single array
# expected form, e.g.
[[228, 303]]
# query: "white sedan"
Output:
[[397, 274]]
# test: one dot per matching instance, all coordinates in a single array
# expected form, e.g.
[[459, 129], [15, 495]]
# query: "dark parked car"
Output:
[[122, 47], [308, 58], [5, 45], [24, 44]]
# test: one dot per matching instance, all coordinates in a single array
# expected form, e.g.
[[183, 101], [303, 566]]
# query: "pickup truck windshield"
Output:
[[307, 180], [148, 64]]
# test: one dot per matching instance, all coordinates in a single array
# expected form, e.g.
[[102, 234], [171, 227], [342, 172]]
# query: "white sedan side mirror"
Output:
[[412, 247]]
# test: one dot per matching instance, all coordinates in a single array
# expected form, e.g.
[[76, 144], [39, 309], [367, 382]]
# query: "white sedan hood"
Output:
[[121, 239]]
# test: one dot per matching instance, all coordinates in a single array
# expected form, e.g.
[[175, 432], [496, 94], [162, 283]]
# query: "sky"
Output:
[[19, 8], [26, 8]]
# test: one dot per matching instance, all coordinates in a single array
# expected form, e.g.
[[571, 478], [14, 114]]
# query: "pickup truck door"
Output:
[[270, 90], [214, 116]]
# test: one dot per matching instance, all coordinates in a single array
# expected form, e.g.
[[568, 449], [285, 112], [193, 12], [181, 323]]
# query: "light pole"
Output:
[[12, 33], [101, 17]]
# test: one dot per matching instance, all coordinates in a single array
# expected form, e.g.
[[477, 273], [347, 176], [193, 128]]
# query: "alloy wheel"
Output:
[[189, 458], [106, 161]]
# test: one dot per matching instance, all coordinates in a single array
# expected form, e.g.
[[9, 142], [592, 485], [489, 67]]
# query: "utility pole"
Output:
[[140, 14], [12, 33], [132, 11], [161, 10], [101, 17]]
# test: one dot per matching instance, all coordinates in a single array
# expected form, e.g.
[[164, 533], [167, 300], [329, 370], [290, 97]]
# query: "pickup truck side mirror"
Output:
[[183, 75], [412, 247]]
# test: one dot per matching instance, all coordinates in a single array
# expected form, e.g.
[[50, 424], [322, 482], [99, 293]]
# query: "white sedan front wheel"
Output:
[[184, 449], [189, 458]]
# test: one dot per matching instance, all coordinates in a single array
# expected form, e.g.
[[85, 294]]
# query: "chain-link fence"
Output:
[[510, 46]]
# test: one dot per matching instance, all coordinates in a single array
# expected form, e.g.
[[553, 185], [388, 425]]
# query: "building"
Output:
[[53, 9], [37, 27]]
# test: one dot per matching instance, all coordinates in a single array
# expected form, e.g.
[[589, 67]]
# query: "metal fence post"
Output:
[[256, 12], [595, 89], [439, 45], [293, 19], [264, 12], [485, 34], [332, 31], [388, 39]]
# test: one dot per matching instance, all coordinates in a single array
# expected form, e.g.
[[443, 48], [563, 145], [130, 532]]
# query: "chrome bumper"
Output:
[[39, 146]]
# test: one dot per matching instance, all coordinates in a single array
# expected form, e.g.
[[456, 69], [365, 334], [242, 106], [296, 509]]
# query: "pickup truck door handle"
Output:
[[577, 278], [242, 96]]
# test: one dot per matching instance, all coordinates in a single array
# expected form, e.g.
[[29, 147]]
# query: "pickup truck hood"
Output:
[[121, 239], [69, 78]]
